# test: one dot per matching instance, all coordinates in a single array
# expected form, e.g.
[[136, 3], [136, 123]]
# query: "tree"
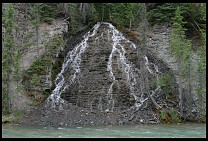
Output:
[[84, 9], [181, 49], [202, 65], [124, 14], [141, 51], [8, 53], [47, 11], [103, 11], [36, 21], [35, 81], [93, 15]]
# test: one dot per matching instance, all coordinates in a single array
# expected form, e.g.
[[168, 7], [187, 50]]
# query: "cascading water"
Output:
[[126, 66], [117, 38], [128, 69], [73, 59], [153, 71]]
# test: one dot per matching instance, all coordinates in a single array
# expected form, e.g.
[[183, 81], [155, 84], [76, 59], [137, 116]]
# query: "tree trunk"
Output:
[[37, 39], [178, 79], [141, 52], [7, 90], [102, 11]]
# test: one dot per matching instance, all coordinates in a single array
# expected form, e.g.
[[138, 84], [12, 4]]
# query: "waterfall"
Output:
[[73, 58], [129, 71], [155, 72], [123, 63]]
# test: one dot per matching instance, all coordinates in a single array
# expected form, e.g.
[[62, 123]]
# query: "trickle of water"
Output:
[[155, 72], [100, 105], [73, 59], [123, 63]]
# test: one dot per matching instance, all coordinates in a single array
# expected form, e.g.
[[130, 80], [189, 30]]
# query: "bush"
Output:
[[175, 117], [164, 117]]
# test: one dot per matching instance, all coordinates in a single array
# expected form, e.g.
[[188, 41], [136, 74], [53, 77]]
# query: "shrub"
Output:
[[175, 116]]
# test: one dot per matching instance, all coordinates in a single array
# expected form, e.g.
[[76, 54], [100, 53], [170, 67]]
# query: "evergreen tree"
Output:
[[36, 21], [93, 16], [47, 11], [103, 11], [8, 54], [181, 49], [202, 65], [75, 17], [124, 14]]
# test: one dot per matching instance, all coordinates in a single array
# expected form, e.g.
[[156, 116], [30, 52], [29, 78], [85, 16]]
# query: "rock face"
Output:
[[101, 75], [102, 81]]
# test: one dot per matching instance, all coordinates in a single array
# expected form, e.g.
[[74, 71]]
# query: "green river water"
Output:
[[189, 130]]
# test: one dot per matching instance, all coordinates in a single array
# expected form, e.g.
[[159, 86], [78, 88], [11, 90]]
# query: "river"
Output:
[[188, 130]]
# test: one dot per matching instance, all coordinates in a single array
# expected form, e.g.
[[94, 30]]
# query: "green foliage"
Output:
[[165, 81], [118, 14], [94, 15], [162, 12], [17, 115], [5, 109], [124, 14], [103, 10], [202, 72], [75, 18], [163, 115], [175, 118], [54, 43], [194, 17], [44, 12], [179, 45], [39, 66], [36, 14], [35, 80], [8, 58], [203, 13], [197, 17], [170, 117], [48, 12], [202, 54]]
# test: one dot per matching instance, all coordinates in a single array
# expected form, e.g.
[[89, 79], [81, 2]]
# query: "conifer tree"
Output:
[[36, 21], [181, 49], [8, 54], [202, 66], [124, 14]]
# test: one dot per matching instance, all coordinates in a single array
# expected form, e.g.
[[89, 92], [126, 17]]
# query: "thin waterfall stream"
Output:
[[73, 59]]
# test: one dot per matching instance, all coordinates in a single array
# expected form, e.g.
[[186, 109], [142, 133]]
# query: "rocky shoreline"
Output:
[[72, 116]]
